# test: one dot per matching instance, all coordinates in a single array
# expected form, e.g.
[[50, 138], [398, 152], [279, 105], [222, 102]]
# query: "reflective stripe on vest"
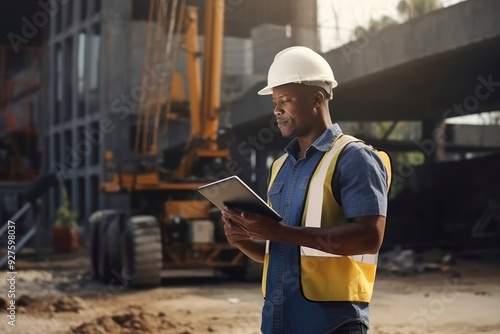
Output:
[[326, 276]]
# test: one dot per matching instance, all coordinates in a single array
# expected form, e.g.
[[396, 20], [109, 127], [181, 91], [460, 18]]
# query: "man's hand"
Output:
[[236, 227], [235, 235], [241, 226]]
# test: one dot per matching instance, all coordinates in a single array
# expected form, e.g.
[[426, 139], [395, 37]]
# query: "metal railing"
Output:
[[33, 198]]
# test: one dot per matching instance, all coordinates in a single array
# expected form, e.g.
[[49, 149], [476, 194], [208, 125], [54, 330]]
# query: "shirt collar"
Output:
[[323, 143]]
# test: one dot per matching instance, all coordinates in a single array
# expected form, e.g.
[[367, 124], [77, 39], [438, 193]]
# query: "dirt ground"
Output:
[[56, 295]]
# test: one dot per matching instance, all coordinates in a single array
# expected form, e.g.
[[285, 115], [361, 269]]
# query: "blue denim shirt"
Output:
[[359, 184]]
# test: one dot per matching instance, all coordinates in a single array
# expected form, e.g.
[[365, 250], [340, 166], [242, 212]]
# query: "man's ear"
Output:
[[319, 98]]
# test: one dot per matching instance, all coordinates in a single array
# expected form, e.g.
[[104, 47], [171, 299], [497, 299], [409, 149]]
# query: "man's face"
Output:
[[294, 109]]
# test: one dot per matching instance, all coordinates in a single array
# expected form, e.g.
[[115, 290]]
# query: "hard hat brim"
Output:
[[268, 90]]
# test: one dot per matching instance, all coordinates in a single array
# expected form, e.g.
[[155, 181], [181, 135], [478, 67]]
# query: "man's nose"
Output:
[[277, 109]]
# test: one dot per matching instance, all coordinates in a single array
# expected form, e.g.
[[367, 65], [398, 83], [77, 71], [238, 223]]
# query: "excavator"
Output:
[[168, 225]]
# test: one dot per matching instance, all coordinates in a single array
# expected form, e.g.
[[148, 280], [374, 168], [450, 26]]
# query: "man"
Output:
[[331, 192]]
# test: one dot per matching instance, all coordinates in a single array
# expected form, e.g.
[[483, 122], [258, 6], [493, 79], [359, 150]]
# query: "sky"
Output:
[[350, 14]]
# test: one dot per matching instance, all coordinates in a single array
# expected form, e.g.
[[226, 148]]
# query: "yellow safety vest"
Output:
[[326, 276]]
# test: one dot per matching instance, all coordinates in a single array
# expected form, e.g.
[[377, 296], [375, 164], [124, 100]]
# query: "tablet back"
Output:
[[234, 193]]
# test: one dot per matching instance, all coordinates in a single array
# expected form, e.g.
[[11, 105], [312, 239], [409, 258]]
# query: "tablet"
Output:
[[234, 193]]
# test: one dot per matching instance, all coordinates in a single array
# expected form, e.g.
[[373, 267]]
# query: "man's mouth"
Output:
[[281, 122]]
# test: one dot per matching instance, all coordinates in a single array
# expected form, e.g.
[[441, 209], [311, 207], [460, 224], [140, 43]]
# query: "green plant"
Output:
[[414, 8], [65, 217]]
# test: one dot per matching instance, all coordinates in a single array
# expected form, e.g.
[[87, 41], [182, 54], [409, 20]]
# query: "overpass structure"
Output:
[[440, 65]]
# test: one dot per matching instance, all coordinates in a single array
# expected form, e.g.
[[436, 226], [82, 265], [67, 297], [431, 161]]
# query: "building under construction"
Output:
[[78, 87], [73, 95]]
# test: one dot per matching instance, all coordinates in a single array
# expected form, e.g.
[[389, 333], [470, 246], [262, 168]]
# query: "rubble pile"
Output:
[[133, 320], [406, 262], [68, 304]]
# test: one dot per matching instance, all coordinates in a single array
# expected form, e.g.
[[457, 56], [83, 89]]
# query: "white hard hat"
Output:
[[299, 64]]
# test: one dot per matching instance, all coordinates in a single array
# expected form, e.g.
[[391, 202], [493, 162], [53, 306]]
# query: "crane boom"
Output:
[[205, 114]]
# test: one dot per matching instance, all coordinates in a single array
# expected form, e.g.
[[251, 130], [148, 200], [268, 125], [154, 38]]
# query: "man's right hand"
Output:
[[238, 237], [235, 235]]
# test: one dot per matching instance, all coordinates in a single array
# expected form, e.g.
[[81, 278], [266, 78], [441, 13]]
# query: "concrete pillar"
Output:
[[116, 65], [116, 80], [43, 236], [428, 127], [304, 19]]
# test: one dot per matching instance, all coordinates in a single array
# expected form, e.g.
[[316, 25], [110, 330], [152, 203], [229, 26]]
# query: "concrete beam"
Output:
[[440, 31]]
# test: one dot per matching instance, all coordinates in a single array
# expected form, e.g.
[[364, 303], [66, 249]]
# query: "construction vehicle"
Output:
[[168, 225]]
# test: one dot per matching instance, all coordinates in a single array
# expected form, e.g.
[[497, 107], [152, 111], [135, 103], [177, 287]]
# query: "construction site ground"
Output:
[[56, 295]]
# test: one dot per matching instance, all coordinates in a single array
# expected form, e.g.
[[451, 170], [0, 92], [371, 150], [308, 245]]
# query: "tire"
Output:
[[142, 252], [95, 224], [110, 249]]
